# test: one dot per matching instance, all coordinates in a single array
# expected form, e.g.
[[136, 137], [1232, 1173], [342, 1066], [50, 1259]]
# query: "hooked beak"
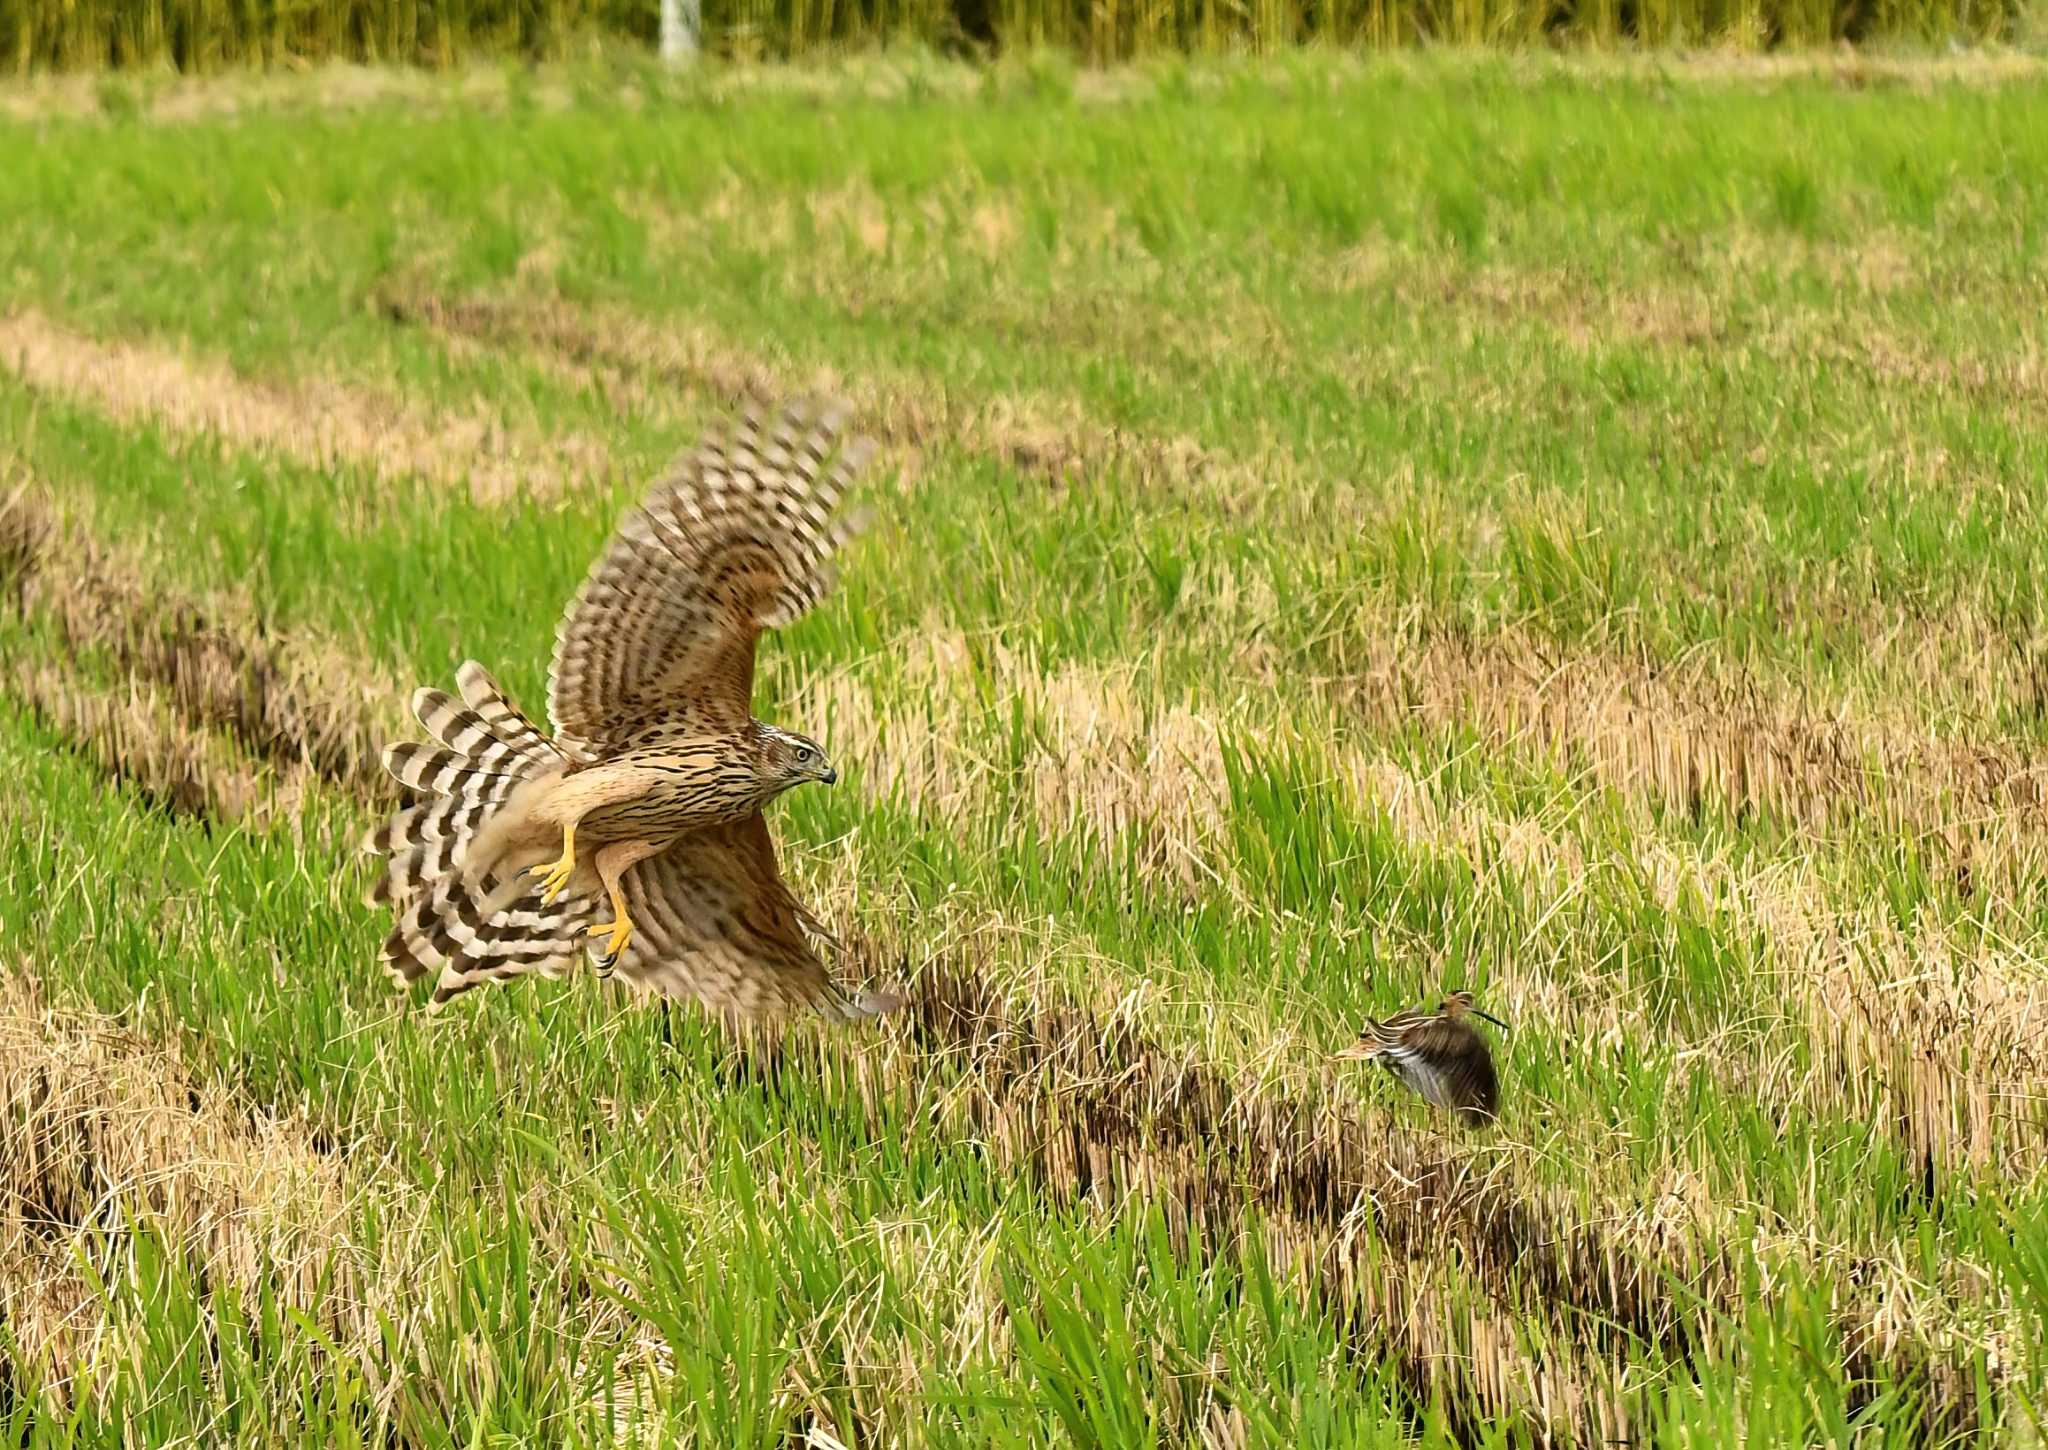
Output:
[[1364, 1047], [831, 776], [1478, 1012]]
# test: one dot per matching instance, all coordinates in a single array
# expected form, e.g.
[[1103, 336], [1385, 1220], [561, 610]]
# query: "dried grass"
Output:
[[628, 357], [1107, 757], [335, 85], [1697, 737], [132, 737], [303, 705], [1933, 1037], [1943, 1047], [315, 423], [101, 1132]]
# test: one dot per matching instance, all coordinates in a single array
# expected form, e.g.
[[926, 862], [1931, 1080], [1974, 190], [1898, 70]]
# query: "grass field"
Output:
[[144, 38], [1344, 532]]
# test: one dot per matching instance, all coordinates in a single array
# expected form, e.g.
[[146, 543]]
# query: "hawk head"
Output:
[[789, 759]]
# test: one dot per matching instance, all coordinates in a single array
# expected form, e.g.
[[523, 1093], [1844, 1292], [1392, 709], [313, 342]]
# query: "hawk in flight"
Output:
[[636, 830]]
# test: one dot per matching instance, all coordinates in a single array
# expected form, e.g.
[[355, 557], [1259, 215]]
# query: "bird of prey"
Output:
[[1439, 1054], [639, 823]]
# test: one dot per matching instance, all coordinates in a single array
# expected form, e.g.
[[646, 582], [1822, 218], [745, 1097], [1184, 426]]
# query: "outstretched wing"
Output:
[[1450, 1065], [713, 919], [1389, 1031], [738, 538]]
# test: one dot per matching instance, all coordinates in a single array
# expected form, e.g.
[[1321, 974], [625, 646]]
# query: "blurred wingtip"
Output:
[[864, 1005]]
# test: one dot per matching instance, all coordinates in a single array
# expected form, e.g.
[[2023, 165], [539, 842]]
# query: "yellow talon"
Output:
[[621, 932], [555, 875]]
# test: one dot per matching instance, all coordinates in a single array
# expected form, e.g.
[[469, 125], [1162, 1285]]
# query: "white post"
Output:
[[680, 22]]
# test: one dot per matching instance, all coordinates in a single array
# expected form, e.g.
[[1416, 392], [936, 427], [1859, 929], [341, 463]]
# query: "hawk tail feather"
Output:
[[465, 927]]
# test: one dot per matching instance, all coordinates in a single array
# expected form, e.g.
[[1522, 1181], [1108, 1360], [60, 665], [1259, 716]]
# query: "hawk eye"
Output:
[[803, 754]]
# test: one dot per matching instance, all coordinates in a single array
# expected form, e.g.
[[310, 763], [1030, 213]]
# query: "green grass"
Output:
[[1393, 395]]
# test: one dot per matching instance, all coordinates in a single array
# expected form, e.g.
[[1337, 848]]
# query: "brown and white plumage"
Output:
[[1438, 1054], [660, 639], [650, 792]]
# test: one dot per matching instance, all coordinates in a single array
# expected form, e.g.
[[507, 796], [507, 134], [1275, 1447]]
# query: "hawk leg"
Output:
[[556, 874], [612, 862]]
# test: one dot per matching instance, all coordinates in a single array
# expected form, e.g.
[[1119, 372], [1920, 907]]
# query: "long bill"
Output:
[[1482, 1012]]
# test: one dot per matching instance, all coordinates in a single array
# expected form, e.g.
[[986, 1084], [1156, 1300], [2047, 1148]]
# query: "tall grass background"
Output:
[[207, 35]]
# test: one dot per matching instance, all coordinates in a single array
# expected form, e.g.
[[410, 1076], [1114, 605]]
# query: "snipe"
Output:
[[1439, 1054]]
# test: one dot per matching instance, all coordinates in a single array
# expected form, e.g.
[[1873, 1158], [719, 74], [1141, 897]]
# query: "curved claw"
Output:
[[620, 932], [555, 877]]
